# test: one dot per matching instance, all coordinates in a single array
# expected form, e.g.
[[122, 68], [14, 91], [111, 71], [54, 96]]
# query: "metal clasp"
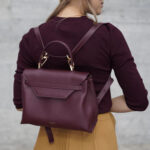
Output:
[[69, 62], [43, 58]]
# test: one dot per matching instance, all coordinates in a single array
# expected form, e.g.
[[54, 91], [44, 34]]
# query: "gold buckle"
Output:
[[69, 62], [43, 58]]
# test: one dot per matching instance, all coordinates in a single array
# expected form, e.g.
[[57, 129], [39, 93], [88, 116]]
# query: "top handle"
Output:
[[44, 55]]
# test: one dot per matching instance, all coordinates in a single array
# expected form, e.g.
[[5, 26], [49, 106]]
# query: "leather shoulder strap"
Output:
[[104, 89], [86, 37], [38, 35], [83, 40]]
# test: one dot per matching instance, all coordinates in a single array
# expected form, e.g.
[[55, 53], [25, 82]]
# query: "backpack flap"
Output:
[[52, 90], [54, 84]]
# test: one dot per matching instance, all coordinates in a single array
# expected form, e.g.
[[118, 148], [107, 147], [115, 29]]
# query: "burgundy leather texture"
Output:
[[61, 98]]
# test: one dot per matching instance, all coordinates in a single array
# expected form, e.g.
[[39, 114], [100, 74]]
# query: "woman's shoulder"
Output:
[[29, 37], [111, 30], [30, 31], [110, 27], [106, 31]]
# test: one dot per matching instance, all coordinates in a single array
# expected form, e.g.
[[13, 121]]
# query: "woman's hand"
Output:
[[119, 105], [20, 109]]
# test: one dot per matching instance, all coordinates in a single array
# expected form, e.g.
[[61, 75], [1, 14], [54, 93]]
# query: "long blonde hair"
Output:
[[63, 4]]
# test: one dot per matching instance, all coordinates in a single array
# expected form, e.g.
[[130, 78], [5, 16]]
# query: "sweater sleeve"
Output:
[[24, 60], [126, 72]]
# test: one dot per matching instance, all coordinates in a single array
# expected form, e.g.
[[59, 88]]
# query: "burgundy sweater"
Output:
[[107, 49]]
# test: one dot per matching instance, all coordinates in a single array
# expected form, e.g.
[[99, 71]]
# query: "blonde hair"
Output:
[[86, 8]]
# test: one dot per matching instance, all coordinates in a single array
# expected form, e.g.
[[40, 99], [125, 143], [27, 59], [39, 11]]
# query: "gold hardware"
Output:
[[43, 58], [39, 65], [69, 62]]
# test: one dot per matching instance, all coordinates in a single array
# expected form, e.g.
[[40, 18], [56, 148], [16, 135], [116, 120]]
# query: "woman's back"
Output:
[[104, 51]]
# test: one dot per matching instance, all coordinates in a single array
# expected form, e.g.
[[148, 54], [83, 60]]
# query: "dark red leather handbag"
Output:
[[61, 98]]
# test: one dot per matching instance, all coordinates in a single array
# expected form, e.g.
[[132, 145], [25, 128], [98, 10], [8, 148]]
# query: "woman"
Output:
[[106, 50]]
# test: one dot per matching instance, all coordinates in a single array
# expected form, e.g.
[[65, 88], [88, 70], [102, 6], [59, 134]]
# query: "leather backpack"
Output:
[[61, 98]]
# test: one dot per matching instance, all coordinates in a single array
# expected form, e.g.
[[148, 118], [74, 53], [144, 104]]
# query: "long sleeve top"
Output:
[[107, 49]]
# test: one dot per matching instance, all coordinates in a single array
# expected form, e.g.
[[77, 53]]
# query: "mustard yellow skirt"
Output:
[[103, 137]]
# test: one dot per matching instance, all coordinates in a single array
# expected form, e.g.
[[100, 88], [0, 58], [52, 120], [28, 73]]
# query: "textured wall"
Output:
[[16, 17]]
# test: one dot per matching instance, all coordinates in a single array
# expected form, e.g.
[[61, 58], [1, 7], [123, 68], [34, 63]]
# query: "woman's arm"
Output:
[[24, 60], [119, 105], [127, 74]]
